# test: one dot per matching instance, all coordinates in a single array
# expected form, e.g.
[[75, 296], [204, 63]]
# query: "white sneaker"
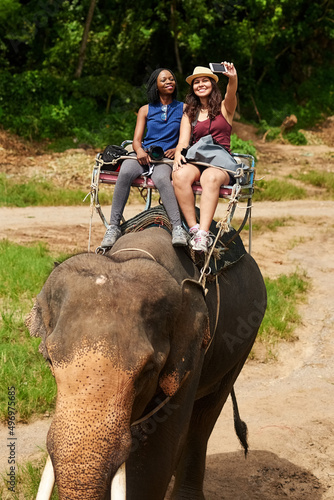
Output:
[[201, 241], [193, 230]]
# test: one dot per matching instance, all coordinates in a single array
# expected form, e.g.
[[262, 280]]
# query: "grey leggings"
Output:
[[161, 177]]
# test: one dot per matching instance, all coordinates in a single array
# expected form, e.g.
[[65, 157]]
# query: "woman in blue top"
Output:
[[161, 117]]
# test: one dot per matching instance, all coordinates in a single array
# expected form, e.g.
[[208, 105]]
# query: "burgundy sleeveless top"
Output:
[[220, 130]]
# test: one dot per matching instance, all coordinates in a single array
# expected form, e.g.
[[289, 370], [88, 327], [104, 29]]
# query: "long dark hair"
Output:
[[152, 87], [193, 103]]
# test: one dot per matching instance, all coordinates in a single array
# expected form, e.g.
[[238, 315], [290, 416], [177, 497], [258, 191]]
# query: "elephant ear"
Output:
[[191, 334]]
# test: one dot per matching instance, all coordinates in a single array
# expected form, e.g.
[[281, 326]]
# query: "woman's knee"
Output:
[[214, 177], [183, 177], [161, 176], [130, 169]]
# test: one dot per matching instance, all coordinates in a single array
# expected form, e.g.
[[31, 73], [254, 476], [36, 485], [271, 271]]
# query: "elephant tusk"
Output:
[[47, 482], [118, 484]]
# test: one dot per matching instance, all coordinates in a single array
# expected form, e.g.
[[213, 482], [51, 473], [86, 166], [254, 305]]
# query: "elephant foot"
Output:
[[187, 494]]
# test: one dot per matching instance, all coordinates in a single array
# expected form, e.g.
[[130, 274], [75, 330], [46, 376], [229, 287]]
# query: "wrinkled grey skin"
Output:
[[122, 332]]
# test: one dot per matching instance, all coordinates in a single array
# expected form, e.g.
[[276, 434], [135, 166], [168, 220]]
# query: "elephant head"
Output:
[[115, 334]]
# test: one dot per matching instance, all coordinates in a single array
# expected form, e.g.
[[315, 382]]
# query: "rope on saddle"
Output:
[[224, 253], [94, 189], [133, 250], [154, 217], [223, 227]]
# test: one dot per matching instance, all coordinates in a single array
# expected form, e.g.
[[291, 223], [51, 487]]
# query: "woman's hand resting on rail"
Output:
[[143, 157]]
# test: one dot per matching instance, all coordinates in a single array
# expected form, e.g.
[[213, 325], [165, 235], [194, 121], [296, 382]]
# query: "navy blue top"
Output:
[[160, 131]]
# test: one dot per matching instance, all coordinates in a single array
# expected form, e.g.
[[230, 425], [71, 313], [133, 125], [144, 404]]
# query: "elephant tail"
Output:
[[239, 425]]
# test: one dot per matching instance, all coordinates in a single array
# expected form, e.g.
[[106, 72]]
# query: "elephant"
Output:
[[144, 357]]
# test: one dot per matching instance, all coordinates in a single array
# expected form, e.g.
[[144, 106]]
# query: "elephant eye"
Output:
[[149, 367]]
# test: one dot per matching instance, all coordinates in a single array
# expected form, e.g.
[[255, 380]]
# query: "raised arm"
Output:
[[229, 103]]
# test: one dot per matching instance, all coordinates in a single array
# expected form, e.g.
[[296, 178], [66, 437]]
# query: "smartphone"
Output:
[[217, 68]]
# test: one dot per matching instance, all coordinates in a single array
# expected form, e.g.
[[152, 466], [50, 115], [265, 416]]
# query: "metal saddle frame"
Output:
[[239, 192]]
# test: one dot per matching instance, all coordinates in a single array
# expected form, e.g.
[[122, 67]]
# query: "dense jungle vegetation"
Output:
[[76, 70]]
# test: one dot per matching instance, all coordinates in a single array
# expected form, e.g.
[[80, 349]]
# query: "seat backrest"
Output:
[[128, 146]]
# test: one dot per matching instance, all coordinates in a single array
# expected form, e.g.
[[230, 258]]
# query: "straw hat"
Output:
[[201, 71]]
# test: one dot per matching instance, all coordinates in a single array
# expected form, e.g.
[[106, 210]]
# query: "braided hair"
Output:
[[152, 87]]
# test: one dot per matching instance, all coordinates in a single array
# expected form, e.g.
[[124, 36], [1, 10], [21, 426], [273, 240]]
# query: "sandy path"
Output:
[[12, 219], [288, 404]]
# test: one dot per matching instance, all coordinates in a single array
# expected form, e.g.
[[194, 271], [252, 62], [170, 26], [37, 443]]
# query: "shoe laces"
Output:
[[178, 230], [194, 230], [201, 235]]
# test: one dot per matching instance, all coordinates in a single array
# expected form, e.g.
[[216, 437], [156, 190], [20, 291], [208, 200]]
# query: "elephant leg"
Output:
[[190, 471], [157, 445]]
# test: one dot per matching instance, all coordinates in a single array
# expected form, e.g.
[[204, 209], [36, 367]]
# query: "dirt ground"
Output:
[[287, 403]]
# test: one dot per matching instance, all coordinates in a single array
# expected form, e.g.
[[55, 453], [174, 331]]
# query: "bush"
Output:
[[38, 105], [271, 132], [243, 147], [296, 137], [310, 100]]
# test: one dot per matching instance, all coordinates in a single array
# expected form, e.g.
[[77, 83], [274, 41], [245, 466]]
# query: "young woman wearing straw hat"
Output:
[[206, 113]]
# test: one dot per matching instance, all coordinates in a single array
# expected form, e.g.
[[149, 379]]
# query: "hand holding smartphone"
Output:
[[217, 68]]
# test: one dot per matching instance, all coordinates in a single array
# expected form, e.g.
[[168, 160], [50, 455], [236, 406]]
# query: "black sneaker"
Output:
[[111, 236]]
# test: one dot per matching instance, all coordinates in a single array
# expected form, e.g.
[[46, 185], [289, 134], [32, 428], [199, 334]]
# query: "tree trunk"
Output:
[[174, 29], [83, 47]]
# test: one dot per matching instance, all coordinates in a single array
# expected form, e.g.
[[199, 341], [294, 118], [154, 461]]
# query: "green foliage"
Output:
[[8, 8], [275, 190], [36, 193], [114, 129], [315, 96], [39, 193], [260, 226], [283, 52], [310, 100], [270, 132], [242, 147], [281, 317], [27, 481], [319, 179], [296, 137], [22, 274], [56, 107]]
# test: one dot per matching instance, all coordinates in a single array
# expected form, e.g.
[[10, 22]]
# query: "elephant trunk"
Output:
[[89, 437], [85, 463]]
